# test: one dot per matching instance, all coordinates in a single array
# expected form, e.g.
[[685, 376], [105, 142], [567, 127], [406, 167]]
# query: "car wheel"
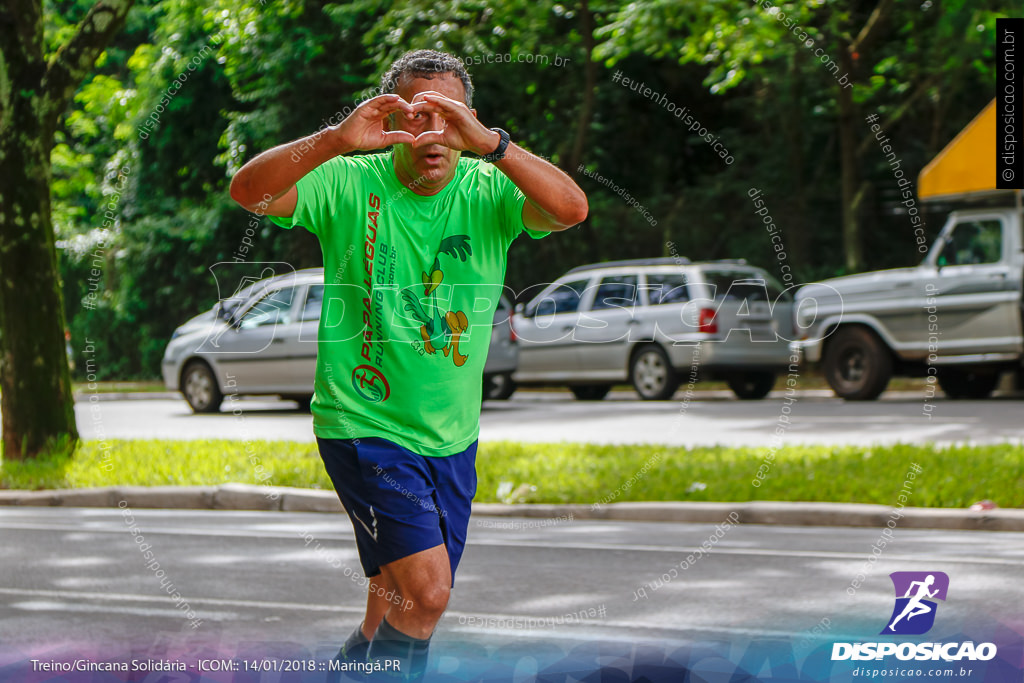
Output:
[[751, 386], [652, 374], [965, 383], [590, 392], [500, 387], [200, 388], [857, 364]]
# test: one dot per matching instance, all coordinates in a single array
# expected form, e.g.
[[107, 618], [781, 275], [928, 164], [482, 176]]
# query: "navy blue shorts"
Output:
[[400, 502]]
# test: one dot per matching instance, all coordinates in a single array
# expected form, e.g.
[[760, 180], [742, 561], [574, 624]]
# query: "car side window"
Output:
[[314, 303], [973, 243], [615, 291], [273, 309], [565, 298], [666, 289]]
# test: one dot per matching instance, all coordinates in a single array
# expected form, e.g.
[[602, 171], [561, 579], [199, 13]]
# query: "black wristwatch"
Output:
[[499, 153]]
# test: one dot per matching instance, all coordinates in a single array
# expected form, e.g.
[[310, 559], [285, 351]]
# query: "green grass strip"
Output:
[[953, 476]]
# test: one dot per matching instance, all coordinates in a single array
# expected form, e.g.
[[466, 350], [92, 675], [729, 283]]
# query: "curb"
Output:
[[223, 497], [773, 513], [86, 397], [285, 499]]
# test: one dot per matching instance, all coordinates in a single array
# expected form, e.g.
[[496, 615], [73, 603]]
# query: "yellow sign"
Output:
[[967, 165]]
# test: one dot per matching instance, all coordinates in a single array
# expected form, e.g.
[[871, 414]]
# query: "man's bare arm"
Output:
[[553, 201], [275, 172]]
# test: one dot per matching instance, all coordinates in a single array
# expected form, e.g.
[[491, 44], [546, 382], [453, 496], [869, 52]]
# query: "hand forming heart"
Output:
[[365, 128], [431, 119], [440, 120]]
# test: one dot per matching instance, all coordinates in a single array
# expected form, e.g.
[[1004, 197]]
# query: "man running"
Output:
[[405, 325]]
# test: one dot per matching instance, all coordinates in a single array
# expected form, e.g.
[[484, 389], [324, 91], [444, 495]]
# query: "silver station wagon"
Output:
[[656, 323], [262, 341]]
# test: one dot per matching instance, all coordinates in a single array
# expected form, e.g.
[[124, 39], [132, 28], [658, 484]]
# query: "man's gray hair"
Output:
[[426, 64]]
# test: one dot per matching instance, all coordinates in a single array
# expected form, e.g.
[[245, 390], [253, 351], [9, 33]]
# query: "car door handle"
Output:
[[277, 340], [568, 328], [633, 321]]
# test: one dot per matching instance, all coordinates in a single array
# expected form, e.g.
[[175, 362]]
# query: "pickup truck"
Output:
[[956, 317]]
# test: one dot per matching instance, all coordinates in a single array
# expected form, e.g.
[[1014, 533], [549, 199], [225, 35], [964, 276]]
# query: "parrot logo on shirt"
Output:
[[440, 330]]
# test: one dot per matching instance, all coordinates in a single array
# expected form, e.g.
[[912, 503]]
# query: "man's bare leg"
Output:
[[423, 580], [357, 645], [376, 605]]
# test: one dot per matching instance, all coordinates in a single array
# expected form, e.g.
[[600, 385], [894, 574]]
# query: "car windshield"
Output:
[[314, 302], [564, 298], [272, 309]]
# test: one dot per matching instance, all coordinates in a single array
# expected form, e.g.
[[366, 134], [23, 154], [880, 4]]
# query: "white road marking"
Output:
[[49, 600], [220, 602], [923, 558]]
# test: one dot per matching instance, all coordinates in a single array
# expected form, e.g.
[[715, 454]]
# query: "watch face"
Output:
[[499, 153]]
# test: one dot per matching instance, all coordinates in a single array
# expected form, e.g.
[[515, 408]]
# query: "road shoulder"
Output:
[[271, 498]]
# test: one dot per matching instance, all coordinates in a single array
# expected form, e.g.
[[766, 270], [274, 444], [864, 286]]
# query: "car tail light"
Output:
[[706, 321], [511, 329]]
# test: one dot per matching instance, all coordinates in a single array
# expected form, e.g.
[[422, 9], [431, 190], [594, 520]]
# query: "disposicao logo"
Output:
[[916, 592], [914, 615]]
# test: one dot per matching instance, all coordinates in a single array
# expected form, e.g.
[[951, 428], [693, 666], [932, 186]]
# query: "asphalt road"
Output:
[[76, 579], [704, 419]]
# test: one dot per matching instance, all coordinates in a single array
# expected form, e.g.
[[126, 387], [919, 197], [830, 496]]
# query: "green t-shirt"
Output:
[[412, 283]]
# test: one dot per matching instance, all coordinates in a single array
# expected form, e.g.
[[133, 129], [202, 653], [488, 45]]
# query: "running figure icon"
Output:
[[915, 607], [916, 596]]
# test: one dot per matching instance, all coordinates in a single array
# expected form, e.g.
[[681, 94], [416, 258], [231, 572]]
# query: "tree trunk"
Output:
[[796, 234], [35, 384], [853, 192], [586, 111], [852, 245], [34, 379]]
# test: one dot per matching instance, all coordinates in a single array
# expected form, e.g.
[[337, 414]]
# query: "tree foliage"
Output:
[[276, 70]]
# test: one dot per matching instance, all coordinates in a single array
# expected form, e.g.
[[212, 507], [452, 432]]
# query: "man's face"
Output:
[[429, 166]]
